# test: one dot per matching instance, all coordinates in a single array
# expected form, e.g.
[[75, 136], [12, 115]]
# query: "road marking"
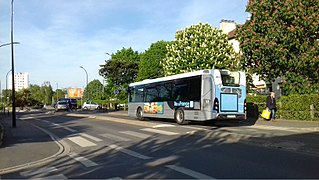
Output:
[[91, 137], [64, 127], [58, 176], [81, 141], [115, 178], [163, 125], [129, 152], [189, 172], [114, 137], [159, 131], [85, 161], [136, 134], [38, 171]]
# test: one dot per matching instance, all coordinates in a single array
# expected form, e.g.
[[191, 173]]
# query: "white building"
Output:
[[21, 81], [229, 27]]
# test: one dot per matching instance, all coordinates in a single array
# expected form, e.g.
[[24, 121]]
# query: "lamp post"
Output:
[[87, 77], [7, 88], [12, 63]]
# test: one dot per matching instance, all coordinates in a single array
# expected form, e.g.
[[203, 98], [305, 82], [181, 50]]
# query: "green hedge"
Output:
[[292, 106]]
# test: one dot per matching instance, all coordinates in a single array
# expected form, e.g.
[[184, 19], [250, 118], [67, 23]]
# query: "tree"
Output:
[[199, 47], [281, 40], [95, 89], [150, 65], [121, 70]]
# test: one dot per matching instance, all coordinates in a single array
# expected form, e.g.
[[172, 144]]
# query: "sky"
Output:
[[58, 36]]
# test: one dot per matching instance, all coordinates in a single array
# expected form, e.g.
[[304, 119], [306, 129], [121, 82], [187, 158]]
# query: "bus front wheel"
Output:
[[139, 113], [179, 117]]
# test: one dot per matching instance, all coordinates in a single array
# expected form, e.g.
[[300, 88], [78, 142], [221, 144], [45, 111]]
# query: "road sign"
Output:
[[116, 91]]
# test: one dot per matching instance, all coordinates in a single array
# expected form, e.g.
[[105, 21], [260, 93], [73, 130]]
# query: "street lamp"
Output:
[[12, 63], [7, 88], [87, 77], [7, 44]]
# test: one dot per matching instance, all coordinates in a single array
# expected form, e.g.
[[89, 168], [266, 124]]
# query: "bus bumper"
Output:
[[232, 116]]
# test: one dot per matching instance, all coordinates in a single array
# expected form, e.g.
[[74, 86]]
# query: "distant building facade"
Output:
[[21, 81]]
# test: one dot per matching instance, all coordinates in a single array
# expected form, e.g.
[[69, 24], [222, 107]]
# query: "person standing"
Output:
[[271, 105]]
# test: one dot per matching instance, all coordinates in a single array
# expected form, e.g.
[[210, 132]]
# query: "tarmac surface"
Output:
[[39, 146]]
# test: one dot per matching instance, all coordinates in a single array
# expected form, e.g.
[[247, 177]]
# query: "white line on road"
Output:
[[114, 137], [38, 171], [129, 152], [64, 127], [91, 137], [136, 134], [163, 125], [81, 141], [189, 172], [160, 131], [85, 161]]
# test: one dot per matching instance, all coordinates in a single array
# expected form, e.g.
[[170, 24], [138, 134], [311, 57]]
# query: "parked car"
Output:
[[90, 105], [61, 105]]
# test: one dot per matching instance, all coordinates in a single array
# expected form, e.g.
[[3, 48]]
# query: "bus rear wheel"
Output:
[[139, 113], [180, 117]]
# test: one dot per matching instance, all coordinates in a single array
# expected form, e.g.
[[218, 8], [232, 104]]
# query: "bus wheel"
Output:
[[139, 113], [179, 117]]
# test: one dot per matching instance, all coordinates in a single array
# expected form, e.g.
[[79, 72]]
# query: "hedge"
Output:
[[296, 107]]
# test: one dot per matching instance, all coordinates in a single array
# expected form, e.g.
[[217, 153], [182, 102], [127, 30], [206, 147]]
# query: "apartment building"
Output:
[[21, 81]]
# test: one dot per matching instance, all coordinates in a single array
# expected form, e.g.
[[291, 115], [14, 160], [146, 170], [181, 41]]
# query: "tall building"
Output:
[[21, 81]]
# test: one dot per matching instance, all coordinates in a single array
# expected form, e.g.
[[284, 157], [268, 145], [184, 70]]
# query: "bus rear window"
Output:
[[230, 78]]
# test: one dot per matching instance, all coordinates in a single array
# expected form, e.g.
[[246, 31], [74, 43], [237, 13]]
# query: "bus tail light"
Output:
[[245, 106], [216, 105]]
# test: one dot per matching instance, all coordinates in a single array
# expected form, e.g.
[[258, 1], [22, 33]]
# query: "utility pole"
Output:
[[12, 61]]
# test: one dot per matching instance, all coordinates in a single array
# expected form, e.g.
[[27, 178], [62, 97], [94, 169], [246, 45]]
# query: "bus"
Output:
[[204, 95]]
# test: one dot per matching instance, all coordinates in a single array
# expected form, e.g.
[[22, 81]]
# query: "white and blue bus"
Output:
[[205, 95]]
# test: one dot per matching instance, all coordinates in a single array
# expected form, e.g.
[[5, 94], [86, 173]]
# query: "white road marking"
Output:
[[81, 141], [129, 152], [38, 171], [91, 137], [160, 131], [163, 125], [114, 137], [64, 127], [115, 178], [85, 161], [136, 134], [189, 172], [58, 176]]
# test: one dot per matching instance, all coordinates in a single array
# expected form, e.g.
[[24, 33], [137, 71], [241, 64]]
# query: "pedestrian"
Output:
[[70, 106], [271, 105]]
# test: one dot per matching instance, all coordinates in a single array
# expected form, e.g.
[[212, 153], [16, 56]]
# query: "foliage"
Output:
[[150, 65], [95, 89], [281, 40], [199, 47], [120, 70], [59, 93]]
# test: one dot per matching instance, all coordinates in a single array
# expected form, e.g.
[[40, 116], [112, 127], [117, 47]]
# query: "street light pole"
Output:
[[7, 88], [12, 61], [87, 77]]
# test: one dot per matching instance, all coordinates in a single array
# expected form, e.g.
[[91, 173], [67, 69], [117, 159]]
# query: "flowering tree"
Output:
[[281, 39], [199, 47]]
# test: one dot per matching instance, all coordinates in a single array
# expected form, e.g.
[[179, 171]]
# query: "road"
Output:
[[159, 149]]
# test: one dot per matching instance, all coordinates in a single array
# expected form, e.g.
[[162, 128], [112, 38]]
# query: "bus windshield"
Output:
[[230, 78]]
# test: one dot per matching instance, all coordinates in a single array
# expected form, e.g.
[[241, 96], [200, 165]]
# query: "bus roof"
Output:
[[177, 76]]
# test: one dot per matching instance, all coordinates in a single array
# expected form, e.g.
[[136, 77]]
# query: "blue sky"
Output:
[[59, 36]]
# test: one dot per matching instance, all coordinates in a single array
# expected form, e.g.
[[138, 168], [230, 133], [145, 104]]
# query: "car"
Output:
[[61, 105], [90, 105]]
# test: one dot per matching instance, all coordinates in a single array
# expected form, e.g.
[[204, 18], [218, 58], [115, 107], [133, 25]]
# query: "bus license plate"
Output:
[[231, 116]]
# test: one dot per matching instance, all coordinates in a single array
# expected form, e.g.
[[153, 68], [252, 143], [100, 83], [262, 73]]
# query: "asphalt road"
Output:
[[157, 149]]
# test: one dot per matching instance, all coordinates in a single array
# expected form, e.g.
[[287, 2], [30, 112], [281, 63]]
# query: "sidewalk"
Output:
[[24, 146]]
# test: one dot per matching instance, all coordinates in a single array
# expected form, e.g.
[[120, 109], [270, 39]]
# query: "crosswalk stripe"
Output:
[[81, 141], [129, 152], [189, 172], [38, 171], [85, 161], [64, 127], [114, 137], [91, 137], [159, 131], [136, 134]]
